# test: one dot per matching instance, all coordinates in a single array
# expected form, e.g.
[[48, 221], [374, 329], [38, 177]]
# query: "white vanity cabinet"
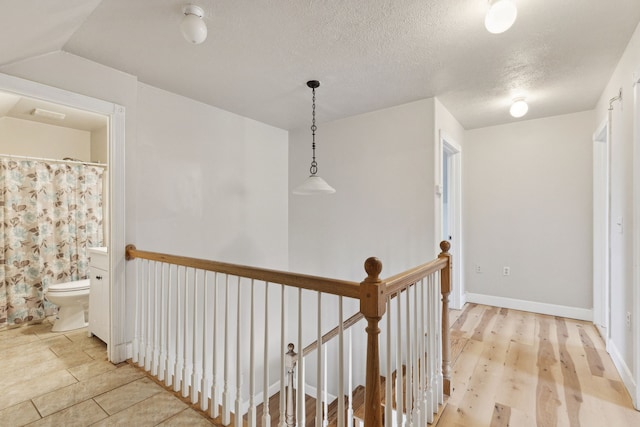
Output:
[[99, 294]]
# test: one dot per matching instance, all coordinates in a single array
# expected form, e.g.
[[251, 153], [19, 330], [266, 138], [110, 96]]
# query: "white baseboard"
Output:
[[623, 369], [311, 391], [120, 353], [532, 306]]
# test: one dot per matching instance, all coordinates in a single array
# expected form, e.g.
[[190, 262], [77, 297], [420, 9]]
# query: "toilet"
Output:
[[72, 299]]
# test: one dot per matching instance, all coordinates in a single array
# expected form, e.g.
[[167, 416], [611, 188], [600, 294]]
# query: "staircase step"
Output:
[[359, 411], [310, 411]]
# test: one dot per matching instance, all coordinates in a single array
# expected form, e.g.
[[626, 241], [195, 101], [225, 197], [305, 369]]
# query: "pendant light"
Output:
[[314, 184]]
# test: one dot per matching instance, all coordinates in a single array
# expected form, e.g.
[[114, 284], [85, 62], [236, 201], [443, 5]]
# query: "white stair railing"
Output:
[[198, 326]]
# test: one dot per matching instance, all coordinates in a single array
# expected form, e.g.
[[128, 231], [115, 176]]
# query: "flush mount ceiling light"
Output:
[[519, 107], [192, 26], [41, 112], [314, 184], [500, 16]]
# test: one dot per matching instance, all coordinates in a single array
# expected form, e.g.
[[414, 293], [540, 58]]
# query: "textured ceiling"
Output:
[[368, 54]]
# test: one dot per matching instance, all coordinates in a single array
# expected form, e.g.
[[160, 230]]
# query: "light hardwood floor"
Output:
[[510, 368], [519, 369]]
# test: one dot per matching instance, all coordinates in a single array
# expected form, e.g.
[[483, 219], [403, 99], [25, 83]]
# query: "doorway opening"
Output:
[[115, 232], [448, 207], [601, 231]]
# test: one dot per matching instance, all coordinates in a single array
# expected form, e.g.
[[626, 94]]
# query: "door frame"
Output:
[[117, 349], [602, 231], [447, 143], [636, 237]]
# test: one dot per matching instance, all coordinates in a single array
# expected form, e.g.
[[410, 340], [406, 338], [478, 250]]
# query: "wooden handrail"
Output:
[[333, 333], [372, 294], [313, 283], [400, 281]]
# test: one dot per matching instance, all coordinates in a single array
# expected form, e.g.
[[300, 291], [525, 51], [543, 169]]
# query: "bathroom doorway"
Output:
[[26, 105]]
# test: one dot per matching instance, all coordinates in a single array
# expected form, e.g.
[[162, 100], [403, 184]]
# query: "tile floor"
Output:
[[64, 379]]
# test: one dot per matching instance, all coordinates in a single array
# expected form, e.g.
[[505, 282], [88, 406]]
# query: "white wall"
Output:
[[622, 206], [212, 184], [199, 180], [29, 138], [240, 162], [381, 165], [527, 200], [99, 145]]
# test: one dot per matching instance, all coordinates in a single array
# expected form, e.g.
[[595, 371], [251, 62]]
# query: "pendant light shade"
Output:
[[314, 184]]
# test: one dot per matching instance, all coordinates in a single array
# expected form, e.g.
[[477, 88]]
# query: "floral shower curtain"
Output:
[[50, 213]]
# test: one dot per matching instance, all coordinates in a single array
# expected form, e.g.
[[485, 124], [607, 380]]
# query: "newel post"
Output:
[[372, 306], [290, 411], [445, 289]]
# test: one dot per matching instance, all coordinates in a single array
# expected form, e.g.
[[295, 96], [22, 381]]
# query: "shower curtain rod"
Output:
[[10, 156]]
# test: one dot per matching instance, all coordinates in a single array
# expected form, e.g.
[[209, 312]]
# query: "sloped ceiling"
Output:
[[32, 27], [368, 54]]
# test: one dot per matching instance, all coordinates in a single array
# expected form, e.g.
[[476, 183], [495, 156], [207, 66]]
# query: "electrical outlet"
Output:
[[506, 271], [478, 268], [628, 319]]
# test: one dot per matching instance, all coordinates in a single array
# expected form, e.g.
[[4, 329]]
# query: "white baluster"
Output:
[[136, 315], [238, 408], [283, 390], [185, 334], [204, 381], [319, 382], [439, 380], [301, 393], [156, 321], [426, 413], [408, 380], [170, 362], [194, 341], [398, 384], [226, 410], [434, 320], [325, 421], [388, 386], [252, 366], [266, 417], [215, 389], [177, 374], [350, 407], [340, 365], [162, 364], [418, 356], [148, 354]]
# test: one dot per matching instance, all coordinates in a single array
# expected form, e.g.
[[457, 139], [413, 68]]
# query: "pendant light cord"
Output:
[[314, 165]]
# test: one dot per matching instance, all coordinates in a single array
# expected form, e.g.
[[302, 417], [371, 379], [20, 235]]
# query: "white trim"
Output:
[[446, 142], [117, 346], [621, 366], [635, 394], [313, 392], [532, 306], [602, 295]]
